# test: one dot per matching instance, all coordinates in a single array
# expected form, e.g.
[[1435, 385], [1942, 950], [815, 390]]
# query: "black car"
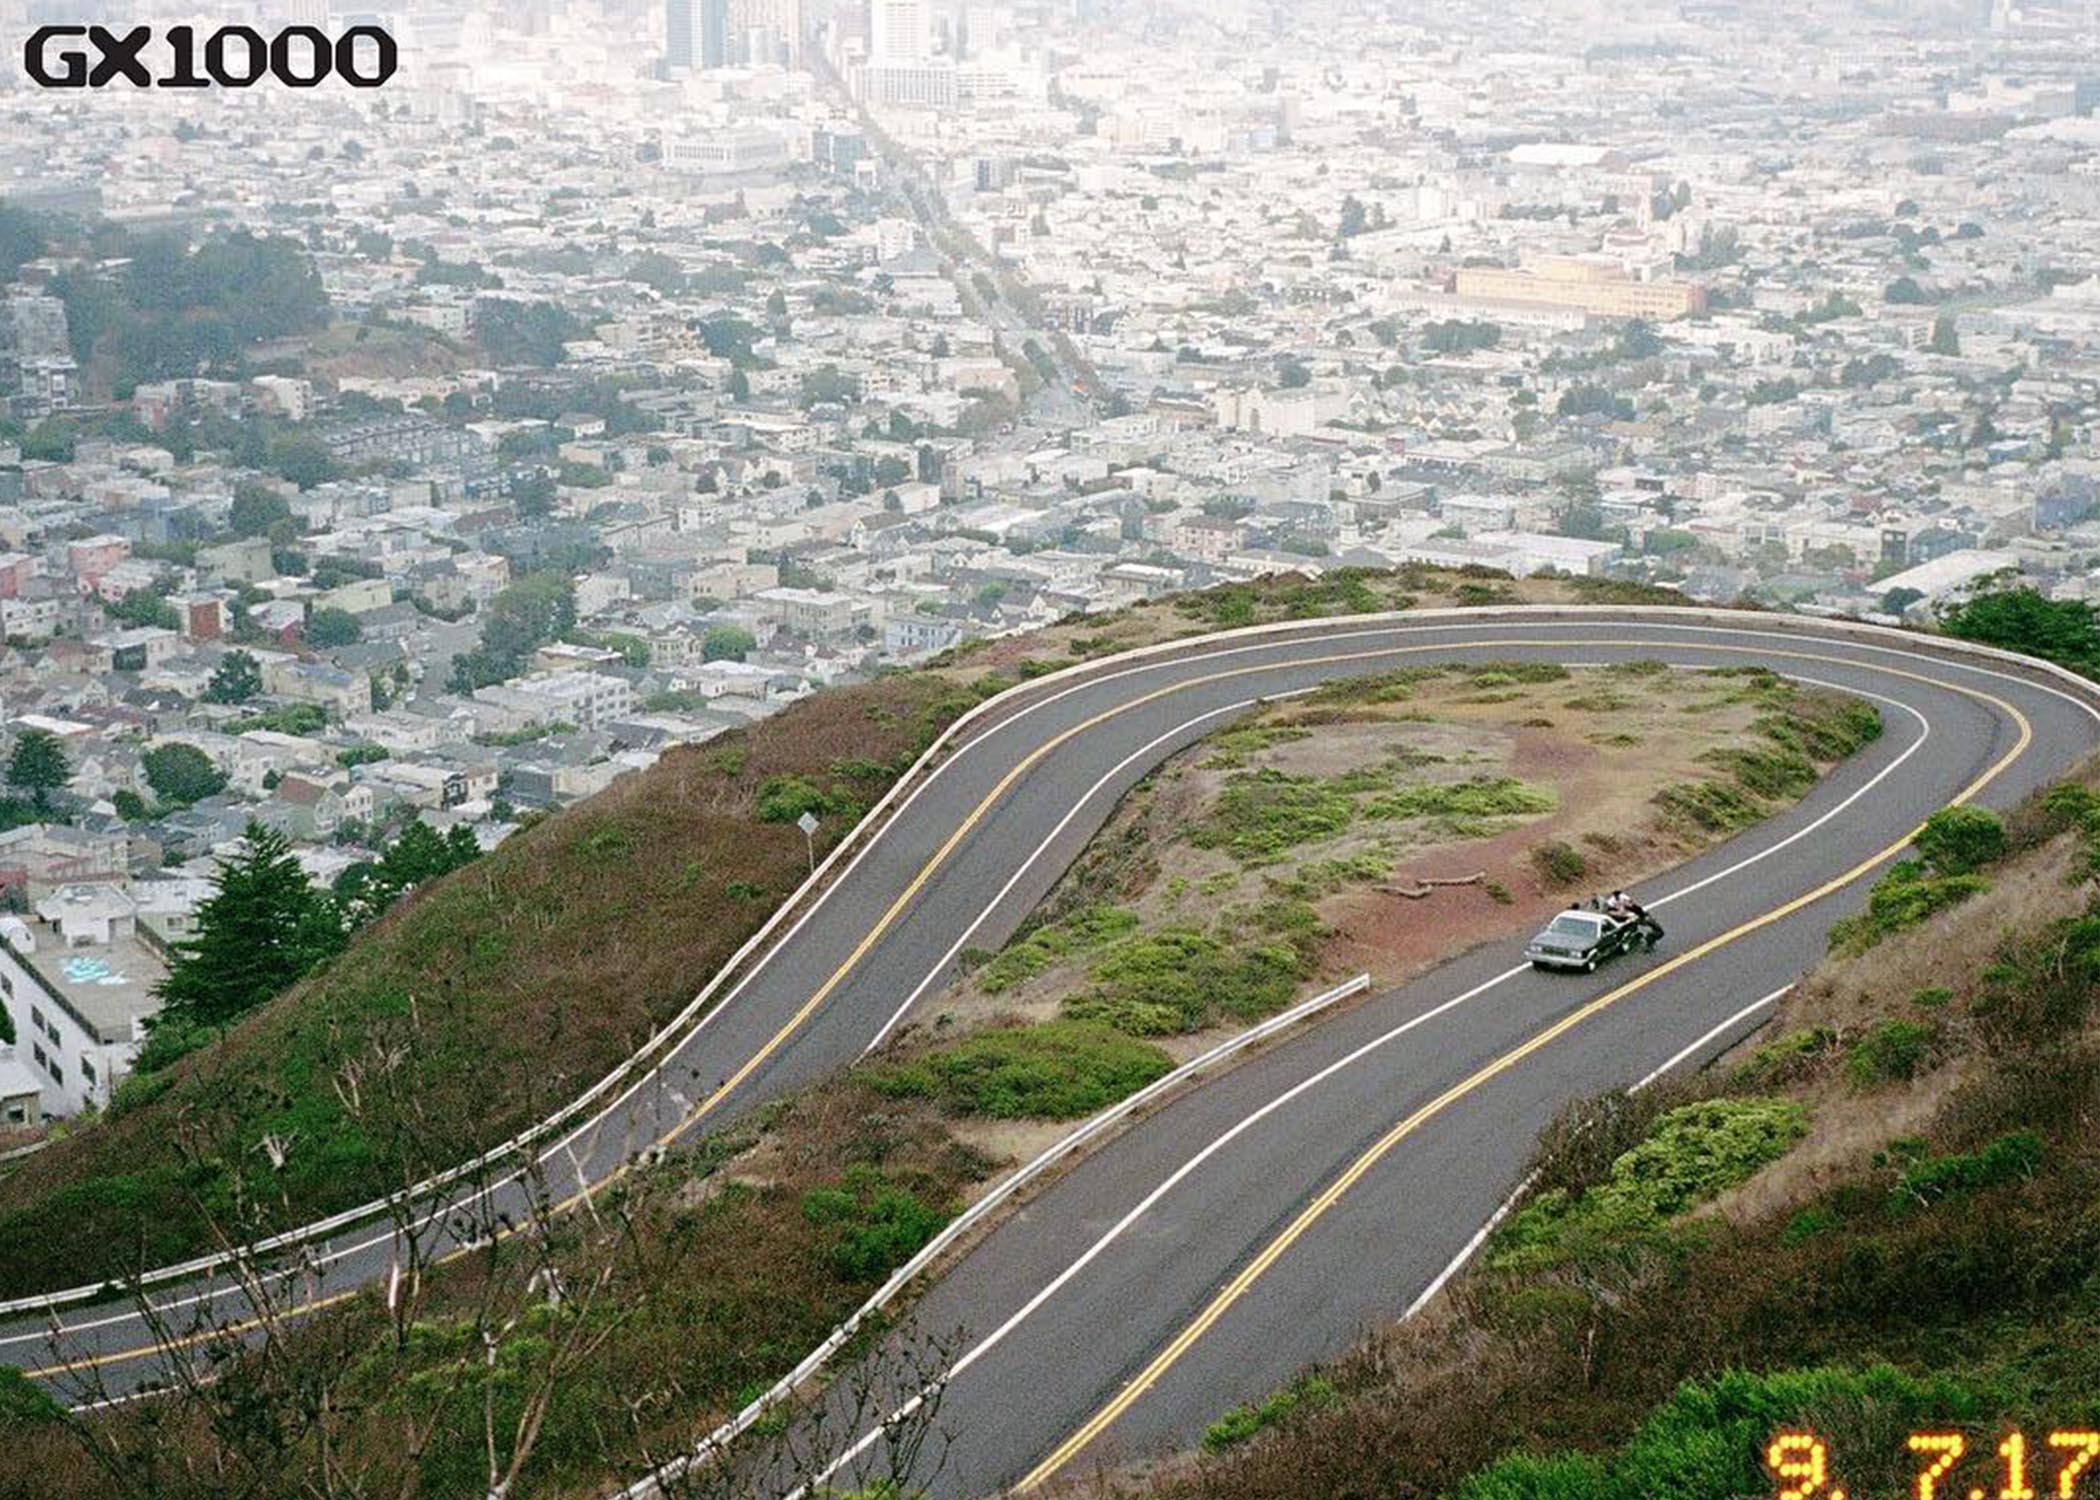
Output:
[[1580, 938]]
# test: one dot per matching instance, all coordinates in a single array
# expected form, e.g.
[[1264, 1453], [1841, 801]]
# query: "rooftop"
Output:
[[108, 987]]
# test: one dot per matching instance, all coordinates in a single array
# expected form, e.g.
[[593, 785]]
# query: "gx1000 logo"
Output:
[[234, 57]]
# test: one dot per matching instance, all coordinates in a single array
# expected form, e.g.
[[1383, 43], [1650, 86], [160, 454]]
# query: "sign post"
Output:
[[808, 824]]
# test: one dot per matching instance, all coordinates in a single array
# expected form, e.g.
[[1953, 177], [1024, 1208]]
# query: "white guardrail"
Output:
[[975, 1215], [673, 1032]]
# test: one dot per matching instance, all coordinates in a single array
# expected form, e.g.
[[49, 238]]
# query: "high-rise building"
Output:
[[767, 32], [696, 34], [898, 33], [714, 33], [678, 33]]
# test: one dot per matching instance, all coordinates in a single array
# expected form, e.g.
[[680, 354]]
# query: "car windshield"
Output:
[[1567, 924]]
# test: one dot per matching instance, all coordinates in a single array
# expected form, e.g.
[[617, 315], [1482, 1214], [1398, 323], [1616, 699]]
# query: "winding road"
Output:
[[1256, 1223]]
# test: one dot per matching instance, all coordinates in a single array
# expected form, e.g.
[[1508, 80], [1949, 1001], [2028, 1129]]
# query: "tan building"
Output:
[[1587, 286]]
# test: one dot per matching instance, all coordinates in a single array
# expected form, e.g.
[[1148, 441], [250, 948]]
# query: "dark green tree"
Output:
[[21, 240], [524, 333], [538, 608], [1957, 840], [303, 459], [256, 508], [328, 626], [237, 679], [418, 854], [181, 774], [2065, 631], [533, 496], [728, 643], [261, 930], [38, 766]]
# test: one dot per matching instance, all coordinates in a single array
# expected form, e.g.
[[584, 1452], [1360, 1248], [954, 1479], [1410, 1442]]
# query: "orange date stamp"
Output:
[[2018, 1470]]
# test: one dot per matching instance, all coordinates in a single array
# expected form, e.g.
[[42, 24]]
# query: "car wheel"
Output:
[[1589, 965]]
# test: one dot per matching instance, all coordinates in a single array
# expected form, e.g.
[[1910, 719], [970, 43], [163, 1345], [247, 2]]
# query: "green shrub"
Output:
[[24, 1403], [1709, 806], [784, 799], [1771, 774], [1693, 1153], [1806, 1225], [1057, 1070], [1559, 863], [1517, 671], [1048, 945], [1128, 1014], [1960, 840], [872, 1224], [1262, 815], [1785, 1058], [1480, 797], [1396, 686], [1709, 1440], [1193, 975], [1892, 1050], [1244, 1422], [1323, 877], [1813, 727], [1235, 747], [1901, 899], [1821, 726], [2008, 1158]]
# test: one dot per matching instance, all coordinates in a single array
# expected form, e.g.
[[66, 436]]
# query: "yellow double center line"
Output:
[[1313, 1211], [940, 856]]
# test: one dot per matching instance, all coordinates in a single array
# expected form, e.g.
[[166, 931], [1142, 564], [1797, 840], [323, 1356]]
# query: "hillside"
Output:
[[495, 996], [1879, 1218], [708, 1274]]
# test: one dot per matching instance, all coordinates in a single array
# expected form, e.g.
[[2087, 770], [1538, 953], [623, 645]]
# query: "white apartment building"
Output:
[[78, 983]]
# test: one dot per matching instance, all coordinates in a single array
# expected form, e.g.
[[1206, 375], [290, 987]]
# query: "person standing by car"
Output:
[[1626, 908]]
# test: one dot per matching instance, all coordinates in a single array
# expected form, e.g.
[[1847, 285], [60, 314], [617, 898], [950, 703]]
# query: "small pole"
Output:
[[808, 824]]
